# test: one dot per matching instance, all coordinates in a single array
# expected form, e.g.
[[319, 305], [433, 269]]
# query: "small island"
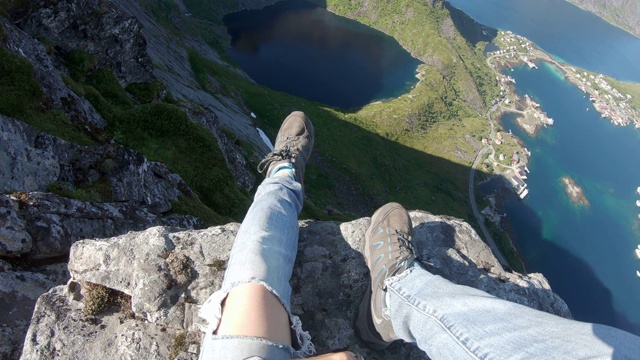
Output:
[[575, 192]]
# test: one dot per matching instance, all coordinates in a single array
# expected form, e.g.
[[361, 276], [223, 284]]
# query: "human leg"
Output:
[[250, 315], [252, 310], [450, 321]]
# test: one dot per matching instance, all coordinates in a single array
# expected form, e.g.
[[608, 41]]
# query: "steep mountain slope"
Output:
[[438, 124], [136, 296], [622, 13]]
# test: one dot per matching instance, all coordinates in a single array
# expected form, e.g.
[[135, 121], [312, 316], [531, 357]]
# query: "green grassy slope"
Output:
[[352, 147], [632, 89], [415, 149]]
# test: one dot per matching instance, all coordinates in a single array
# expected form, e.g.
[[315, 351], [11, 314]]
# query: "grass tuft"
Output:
[[99, 298], [23, 99], [163, 132]]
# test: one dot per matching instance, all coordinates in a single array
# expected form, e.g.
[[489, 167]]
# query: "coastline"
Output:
[[610, 102], [514, 50]]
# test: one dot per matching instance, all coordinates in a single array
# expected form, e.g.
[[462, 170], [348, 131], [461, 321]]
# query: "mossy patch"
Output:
[[191, 205], [218, 265], [96, 191], [163, 132], [21, 197], [79, 63], [23, 99], [146, 92], [99, 298], [181, 343], [180, 267]]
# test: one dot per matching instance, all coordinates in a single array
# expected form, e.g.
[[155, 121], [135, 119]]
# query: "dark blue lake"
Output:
[[565, 31], [302, 49], [586, 253]]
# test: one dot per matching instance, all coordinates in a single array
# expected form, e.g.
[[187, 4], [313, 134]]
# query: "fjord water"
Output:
[[586, 253], [302, 49], [568, 33]]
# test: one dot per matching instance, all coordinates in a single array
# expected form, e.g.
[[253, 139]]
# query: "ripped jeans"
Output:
[[446, 320], [264, 253]]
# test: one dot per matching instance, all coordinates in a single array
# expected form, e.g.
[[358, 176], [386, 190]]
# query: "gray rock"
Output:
[[97, 27], [59, 96], [78, 337], [168, 273], [55, 223], [32, 160], [137, 192], [24, 164], [14, 239], [19, 291]]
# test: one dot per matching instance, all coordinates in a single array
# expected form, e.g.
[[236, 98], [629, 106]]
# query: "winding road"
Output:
[[472, 195]]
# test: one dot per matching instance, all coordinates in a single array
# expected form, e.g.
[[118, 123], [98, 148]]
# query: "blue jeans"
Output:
[[446, 320], [264, 253], [449, 321]]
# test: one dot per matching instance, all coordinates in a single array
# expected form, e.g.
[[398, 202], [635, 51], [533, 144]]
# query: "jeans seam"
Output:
[[438, 321]]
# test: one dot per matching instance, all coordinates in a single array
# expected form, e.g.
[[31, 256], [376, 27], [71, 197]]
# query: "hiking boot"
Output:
[[388, 251], [292, 148]]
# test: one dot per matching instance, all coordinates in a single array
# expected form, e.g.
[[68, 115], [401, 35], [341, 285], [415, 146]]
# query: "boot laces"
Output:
[[404, 243], [286, 153]]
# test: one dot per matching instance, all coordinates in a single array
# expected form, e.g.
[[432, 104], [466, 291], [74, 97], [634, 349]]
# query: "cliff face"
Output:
[[164, 273], [37, 228]]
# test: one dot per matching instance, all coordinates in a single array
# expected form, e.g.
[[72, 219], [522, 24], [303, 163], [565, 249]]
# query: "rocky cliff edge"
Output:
[[137, 295]]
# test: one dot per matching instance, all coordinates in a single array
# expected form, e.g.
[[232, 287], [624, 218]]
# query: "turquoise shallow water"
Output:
[[586, 253]]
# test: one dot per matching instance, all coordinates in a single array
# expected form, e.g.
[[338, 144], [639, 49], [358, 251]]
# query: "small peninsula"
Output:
[[575, 192], [607, 96]]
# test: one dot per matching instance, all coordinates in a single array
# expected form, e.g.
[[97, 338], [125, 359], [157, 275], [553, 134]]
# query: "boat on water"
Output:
[[638, 251], [638, 273], [638, 203], [638, 190]]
